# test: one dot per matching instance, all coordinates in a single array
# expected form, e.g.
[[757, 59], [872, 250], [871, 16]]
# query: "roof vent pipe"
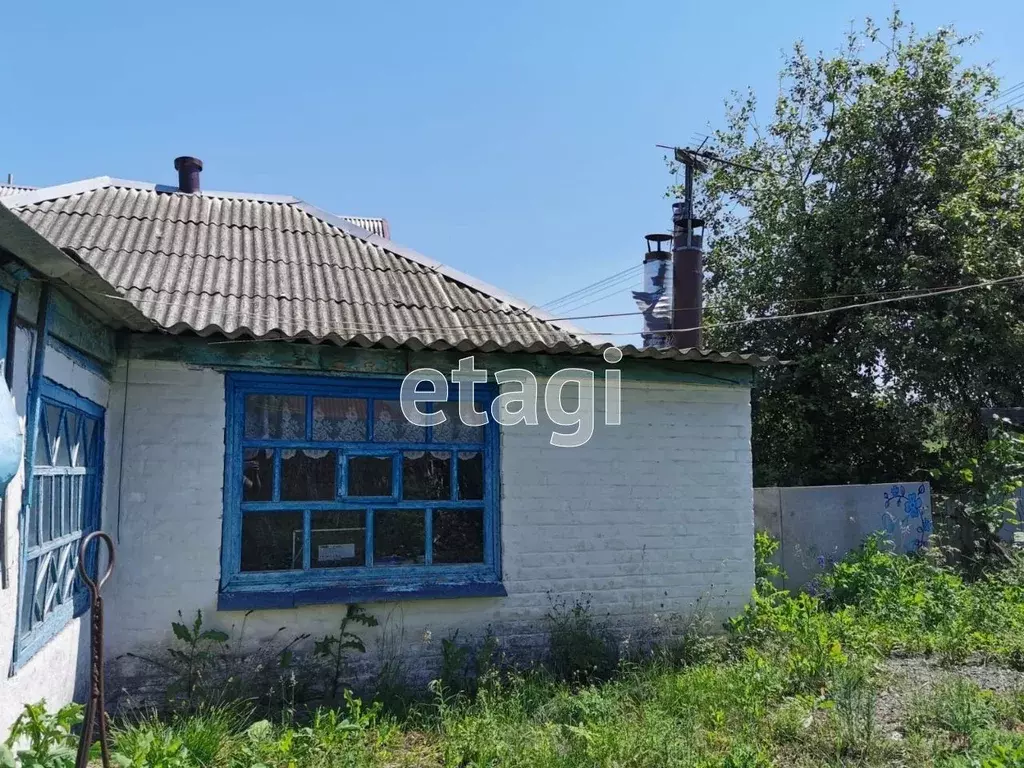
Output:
[[188, 169]]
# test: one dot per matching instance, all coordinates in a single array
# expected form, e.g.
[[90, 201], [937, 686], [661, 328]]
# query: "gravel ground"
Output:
[[913, 677]]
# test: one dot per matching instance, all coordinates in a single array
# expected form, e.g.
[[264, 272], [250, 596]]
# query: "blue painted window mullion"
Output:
[[369, 537], [341, 475], [491, 496], [307, 538], [454, 469], [276, 494], [409, 578], [428, 527]]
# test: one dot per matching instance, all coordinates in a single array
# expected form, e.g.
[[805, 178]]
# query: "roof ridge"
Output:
[[54, 192]]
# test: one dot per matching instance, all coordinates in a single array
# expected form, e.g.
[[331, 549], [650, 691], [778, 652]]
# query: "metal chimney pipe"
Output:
[[188, 169], [687, 277]]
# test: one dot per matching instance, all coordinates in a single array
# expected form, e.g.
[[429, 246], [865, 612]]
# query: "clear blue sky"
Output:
[[513, 141]]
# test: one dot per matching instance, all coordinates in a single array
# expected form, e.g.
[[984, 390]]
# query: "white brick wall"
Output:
[[647, 518], [52, 672]]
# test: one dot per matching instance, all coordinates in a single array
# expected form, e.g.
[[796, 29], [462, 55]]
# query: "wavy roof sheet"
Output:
[[276, 267], [12, 189]]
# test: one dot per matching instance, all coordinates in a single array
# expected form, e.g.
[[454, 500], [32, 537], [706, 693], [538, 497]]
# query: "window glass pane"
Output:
[[77, 502], [51, 423], [399, 537], [42, 497], [338, 539], [458, 536], [426, 475], [471, 475], [275, 417], [46, 507], [74, 438], [258, 475], [42, 457], [44, 580], [453, 430], [391, 426], [271, 541], [90, 448], [339, 418], [67, 513], [28, 595], [369, 475], [61, 454], [308, 475]]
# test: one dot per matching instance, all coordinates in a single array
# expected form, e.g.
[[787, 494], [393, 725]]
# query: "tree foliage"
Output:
[[884, 170]]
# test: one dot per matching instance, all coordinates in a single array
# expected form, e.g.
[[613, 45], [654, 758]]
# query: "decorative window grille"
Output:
[[65, 506]]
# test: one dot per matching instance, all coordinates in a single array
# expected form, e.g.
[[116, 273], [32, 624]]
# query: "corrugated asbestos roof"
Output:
[[11, 189], [274, 266], [372, 224]]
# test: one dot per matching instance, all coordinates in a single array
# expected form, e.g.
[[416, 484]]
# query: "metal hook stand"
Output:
[[95, 712]]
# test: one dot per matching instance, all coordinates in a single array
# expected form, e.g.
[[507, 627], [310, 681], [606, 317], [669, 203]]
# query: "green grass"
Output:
[[797, 681]]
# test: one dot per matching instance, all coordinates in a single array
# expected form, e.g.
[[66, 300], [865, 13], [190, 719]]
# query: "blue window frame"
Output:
[[331, 495], [66, 490]]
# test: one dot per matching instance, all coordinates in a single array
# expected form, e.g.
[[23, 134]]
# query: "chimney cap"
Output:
[[654, 241], [186, 161]]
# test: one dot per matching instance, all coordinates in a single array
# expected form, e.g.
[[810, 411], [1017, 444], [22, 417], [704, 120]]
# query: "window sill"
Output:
[[264, 598]]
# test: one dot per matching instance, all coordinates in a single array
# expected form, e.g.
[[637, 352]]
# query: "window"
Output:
[[66, 489], [332, 495]]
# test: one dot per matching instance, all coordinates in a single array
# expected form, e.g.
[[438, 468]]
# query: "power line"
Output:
[[616, 288], [795, 315], [597, 285], [370, 327], [1006, 92], [1012, 103]]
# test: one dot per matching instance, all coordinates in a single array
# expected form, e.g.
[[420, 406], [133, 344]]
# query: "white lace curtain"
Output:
[[282, 417]]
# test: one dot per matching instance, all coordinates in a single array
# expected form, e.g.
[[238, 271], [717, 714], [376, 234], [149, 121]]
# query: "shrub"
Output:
[[49, 737], [580, 649], [456, 659], [980, 492], [336, 648], [154, 747], [195, 656], [333, 737]]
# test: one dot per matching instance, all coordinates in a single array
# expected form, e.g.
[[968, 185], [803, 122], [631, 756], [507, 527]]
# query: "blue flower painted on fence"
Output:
[[901, 509]]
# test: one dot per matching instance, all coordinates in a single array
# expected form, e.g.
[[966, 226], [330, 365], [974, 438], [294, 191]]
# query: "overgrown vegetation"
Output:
[[881, 170], [337, 648], [796, 680]]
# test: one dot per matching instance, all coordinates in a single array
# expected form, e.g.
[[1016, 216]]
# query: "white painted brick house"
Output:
[[275, 475]]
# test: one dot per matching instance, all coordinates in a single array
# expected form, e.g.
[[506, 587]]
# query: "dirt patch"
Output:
[[911, 678]]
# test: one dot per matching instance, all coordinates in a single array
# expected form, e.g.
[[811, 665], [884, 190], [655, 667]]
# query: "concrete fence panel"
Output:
[[817, 525]]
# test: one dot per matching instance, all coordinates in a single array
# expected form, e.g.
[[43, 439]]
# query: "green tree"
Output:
[[884, 169]]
